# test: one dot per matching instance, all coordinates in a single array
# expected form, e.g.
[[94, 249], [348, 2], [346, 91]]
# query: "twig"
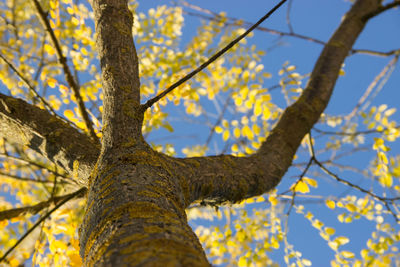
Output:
[[27, 83], [12, 213], [28, 161], [383, 199], [78, 193], [352, 134], [67, 72], [372, 86], [288, 21], [383, 9], [239, 22], [25, 179], [298, 181], [150, 102]]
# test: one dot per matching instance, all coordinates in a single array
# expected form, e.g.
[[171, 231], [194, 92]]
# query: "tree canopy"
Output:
[[75, 91]]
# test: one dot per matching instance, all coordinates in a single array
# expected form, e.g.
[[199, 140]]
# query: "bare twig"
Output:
[[81, 192], [288, 21], [31, 162], [352, 134], [151, 101], [68, 75], [383, 199], [238, 22], [27, 83], [298, 181], [25, 179], [12, 213], [373, 84]]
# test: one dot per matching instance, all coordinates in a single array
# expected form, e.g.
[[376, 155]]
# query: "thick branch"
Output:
[[122, 116], [12, 213], [227, 178], [25, 124]]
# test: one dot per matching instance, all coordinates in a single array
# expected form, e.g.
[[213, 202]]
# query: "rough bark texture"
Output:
[[27, 125], [135, 212]]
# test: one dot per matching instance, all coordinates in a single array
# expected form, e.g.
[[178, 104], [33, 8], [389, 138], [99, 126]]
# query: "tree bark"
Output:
[[135, 214]]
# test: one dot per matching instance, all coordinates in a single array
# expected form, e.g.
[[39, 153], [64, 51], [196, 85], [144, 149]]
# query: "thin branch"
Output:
[[383, 199], [372, 85], [150, 102], [27, 83], [354, 133], [383, 9], [68, 75], [298, 181], [81, 192], [12, 213], [396, 217], [239, 22], [25, 179], [31, 162], [288, 21]]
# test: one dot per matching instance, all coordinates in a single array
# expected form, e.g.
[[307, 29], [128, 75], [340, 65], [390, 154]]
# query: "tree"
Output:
[[136, 195]]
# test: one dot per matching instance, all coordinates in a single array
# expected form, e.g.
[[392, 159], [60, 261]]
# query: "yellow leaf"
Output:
[[266, 114], [386, 180], [310, 181], [246, 75], [333, 245], [382, 157], [69, 114], [301, 187], [256, 129], [49, 49], [257, 108], [235, 148], [246, 131], [347, 254], [290, 68], [242, 262], [218, 129], [238, 101], [351, 207], [14, 262], [306, 262], [273, 200], [260, 199], [330, 204], [225, 135], [236, 132], [330, 231], [74, 21], [63, 88], [341, 240]]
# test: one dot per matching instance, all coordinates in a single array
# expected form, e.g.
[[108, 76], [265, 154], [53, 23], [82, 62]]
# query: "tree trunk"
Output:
[[136, 214]]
